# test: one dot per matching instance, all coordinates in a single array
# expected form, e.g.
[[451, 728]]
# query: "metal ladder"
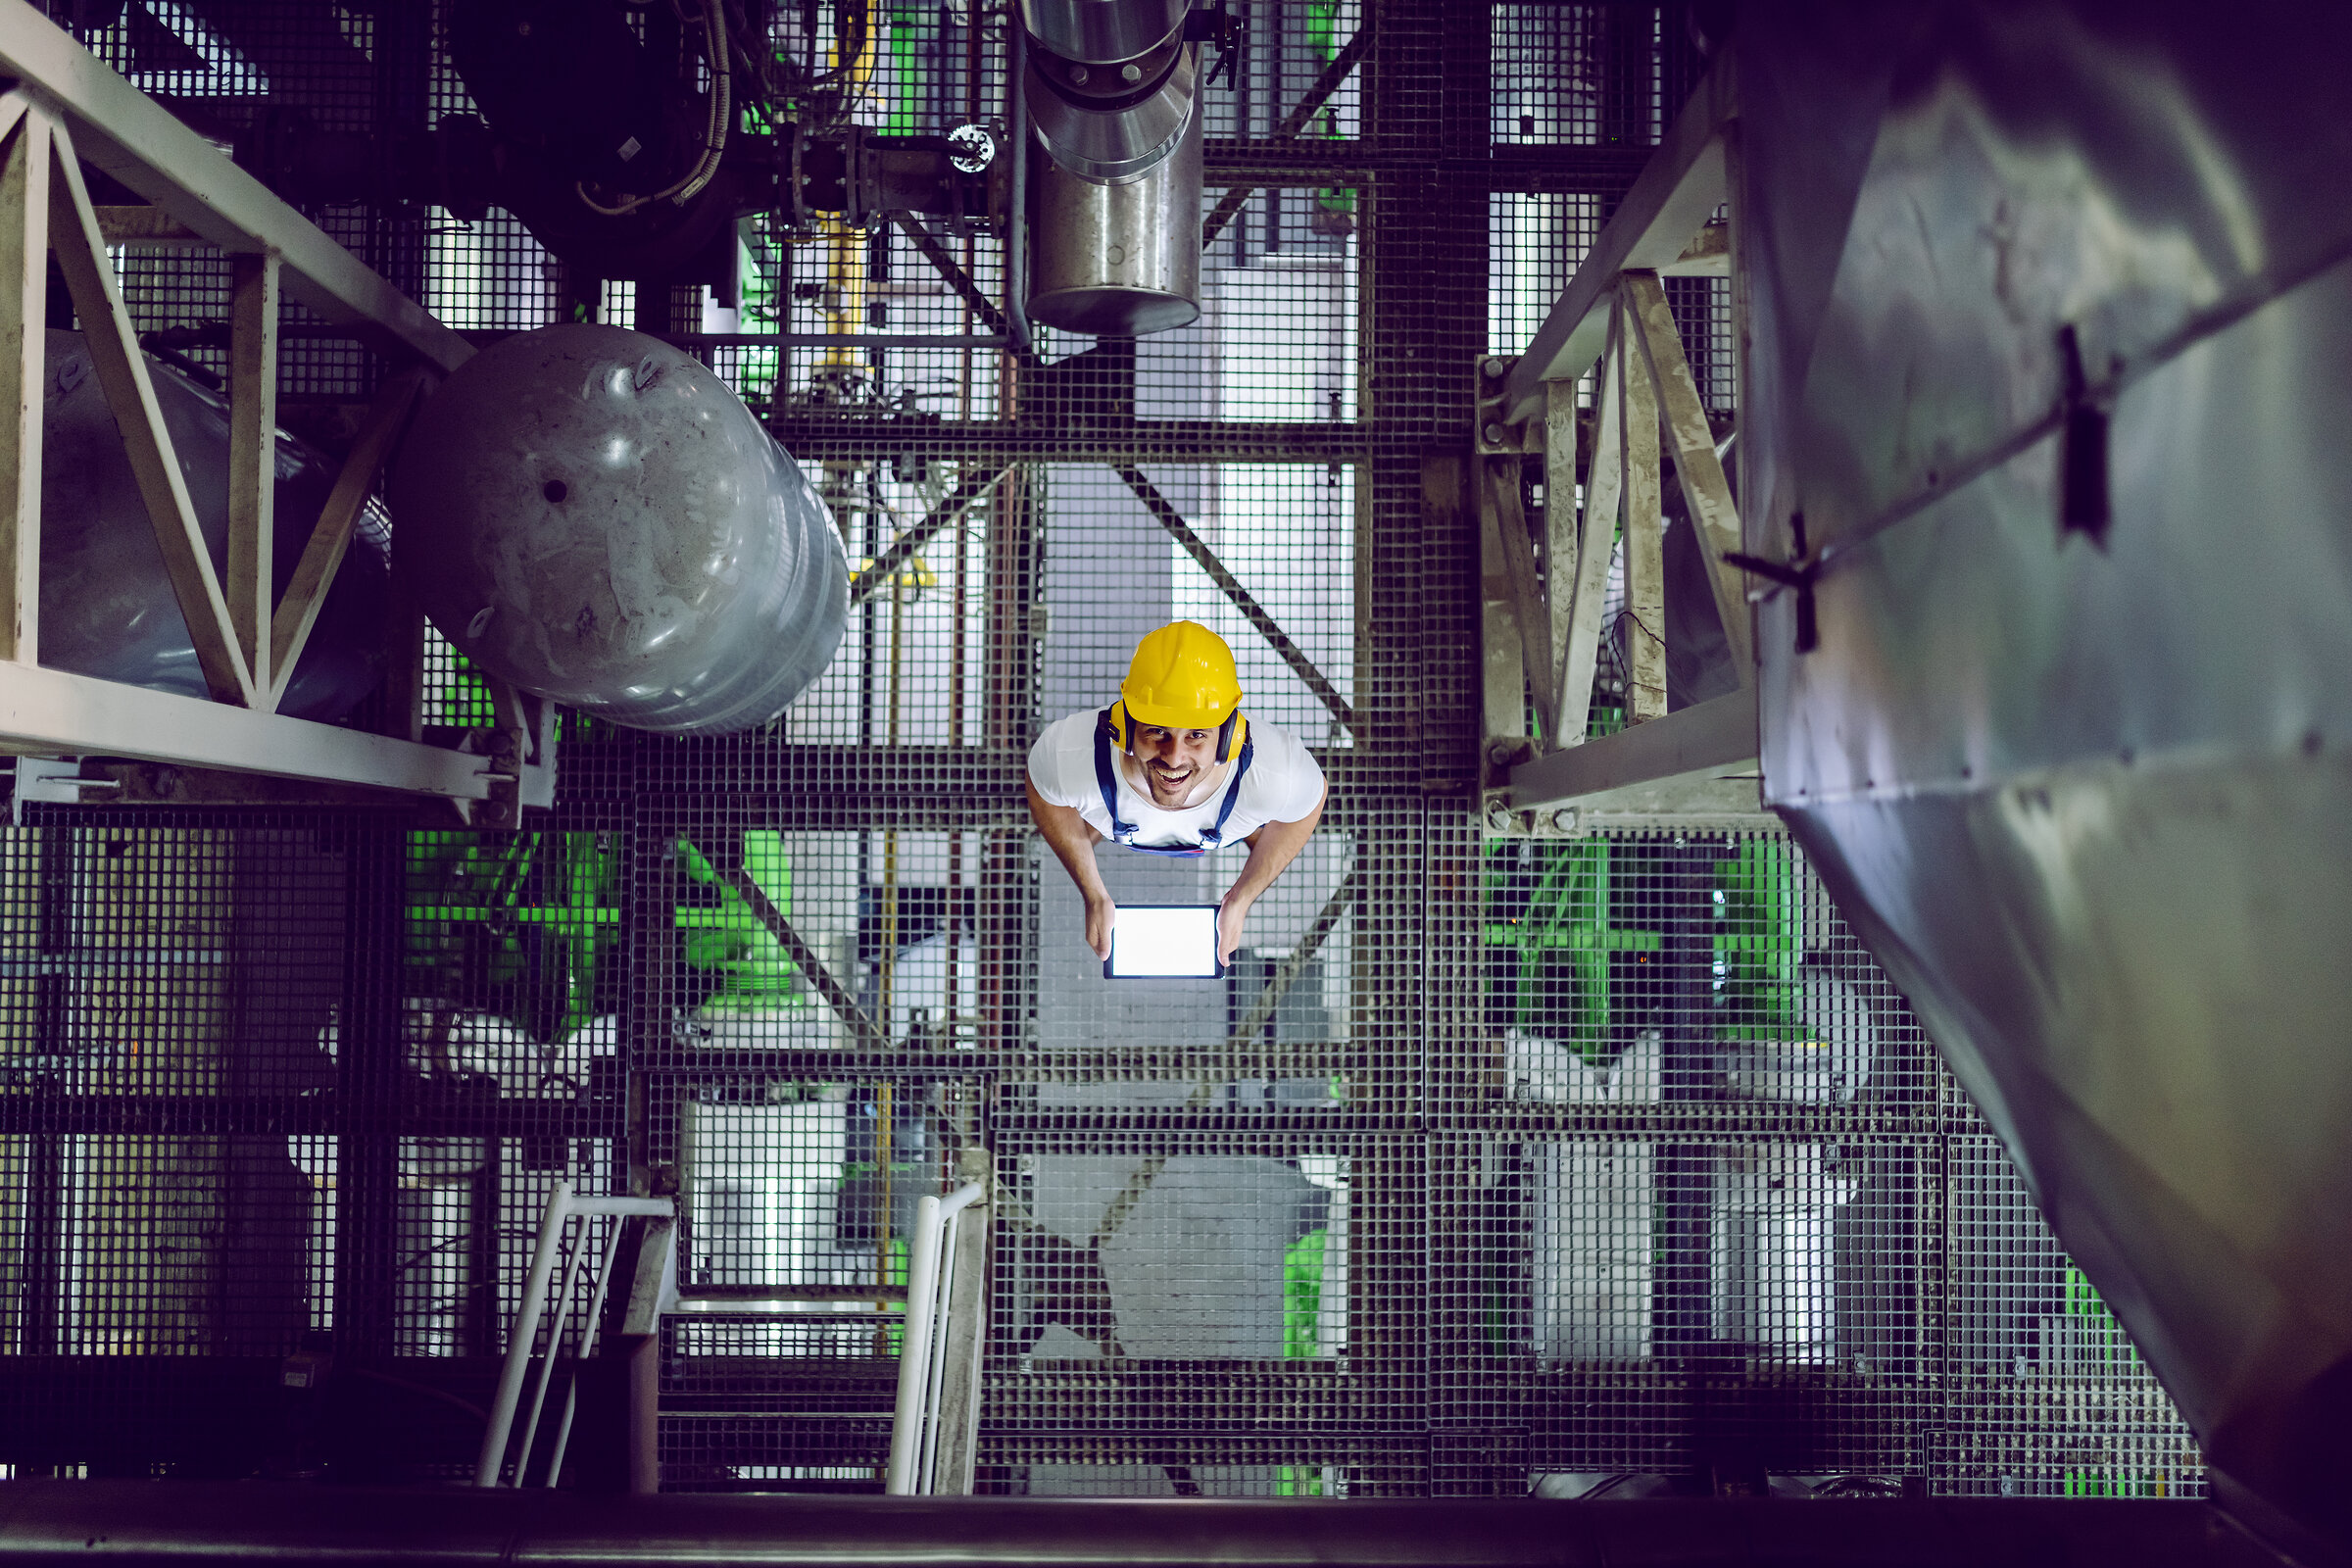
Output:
[[563, 1250]]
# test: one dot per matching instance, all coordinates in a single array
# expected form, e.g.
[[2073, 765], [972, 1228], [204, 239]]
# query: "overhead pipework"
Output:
[[1112, 95]]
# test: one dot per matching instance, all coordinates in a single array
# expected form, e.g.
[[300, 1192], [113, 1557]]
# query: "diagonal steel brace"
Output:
[[1251, 611]]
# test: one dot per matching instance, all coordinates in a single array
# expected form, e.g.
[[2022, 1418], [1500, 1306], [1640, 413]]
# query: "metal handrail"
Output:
[[563, 1207], [923, 1362]]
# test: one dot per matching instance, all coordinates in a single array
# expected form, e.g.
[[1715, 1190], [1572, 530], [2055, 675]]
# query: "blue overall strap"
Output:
[[1214, 838], [1124, 833], [1107, 783]]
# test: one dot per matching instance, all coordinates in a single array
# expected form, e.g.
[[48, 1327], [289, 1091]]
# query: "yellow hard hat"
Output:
[[1182, 677]]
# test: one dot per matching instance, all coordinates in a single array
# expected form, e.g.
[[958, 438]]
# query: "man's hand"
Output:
[[1230, 916], [1271, 848], [1101, 915], [1073, 843]]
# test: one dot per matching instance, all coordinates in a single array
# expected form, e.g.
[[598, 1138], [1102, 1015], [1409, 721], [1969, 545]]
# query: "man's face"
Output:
[[1174, 761]]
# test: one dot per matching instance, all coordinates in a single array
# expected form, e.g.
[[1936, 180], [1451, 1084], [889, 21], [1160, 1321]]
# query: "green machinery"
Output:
[[526, 926], [1560, 937]]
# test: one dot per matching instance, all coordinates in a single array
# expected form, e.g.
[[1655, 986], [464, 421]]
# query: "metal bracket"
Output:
[[1222, 31], [1503, 820], [53, 781], [1495, 435]]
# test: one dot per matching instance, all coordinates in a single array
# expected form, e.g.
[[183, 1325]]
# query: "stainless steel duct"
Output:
[[602, 521], [1112, 95], [1117, 260], [1102, 32], [1100, 124], [2052, 348]]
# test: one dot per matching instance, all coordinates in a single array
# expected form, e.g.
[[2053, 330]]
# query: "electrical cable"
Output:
[[714, 139]]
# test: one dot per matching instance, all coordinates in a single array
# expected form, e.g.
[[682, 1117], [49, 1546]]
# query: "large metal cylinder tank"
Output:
[[600, 520], [2051, 347], [107, 605], [1117, 260]]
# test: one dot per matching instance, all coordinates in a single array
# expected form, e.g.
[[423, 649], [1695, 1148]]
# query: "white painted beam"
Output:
[[1712, 739], [50, 712], [1677, 191], [113, 341], [25, 165], [252, 585], [132, 137]]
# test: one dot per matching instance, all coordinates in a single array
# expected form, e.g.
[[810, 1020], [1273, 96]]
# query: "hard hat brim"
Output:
[[1155, 717]]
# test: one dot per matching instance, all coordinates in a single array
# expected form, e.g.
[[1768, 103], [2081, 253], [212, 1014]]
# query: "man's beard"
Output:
[[1167, 791]]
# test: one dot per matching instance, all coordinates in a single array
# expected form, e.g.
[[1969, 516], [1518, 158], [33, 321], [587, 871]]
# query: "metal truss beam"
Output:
[[64, 108], [1286, 975], [843, 787], [1677, 190], [446, 1115], [951, 272], [1313, 161], [1168, 517], [819, 438], [1341, 66], [862, 1026], [1679, 755], [50, 712], [971, 488], [138, 141]]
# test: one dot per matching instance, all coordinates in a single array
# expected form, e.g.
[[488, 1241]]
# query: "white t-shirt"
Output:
[[1283, 785]]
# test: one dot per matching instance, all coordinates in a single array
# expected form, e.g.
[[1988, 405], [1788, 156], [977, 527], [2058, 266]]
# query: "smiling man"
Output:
[[1172, 767]]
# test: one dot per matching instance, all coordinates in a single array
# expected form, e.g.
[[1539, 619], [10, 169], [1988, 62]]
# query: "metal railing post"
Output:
[[526, 1332], [913, 1417]]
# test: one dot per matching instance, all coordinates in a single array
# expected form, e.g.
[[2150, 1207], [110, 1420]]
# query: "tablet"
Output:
[[1163, 942]]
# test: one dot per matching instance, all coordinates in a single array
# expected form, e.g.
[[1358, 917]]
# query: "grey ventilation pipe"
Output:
[[1112, 89], [598, 519]]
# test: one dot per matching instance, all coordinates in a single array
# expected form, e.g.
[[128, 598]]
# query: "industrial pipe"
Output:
[[163, 1522], [599, 519], [1109, 90], [1123, 260]]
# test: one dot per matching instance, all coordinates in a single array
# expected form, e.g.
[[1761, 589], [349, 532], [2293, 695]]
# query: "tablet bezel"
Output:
[[1217, 973]]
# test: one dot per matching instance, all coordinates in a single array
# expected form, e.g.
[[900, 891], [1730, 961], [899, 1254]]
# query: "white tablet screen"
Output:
[[1162, 941]]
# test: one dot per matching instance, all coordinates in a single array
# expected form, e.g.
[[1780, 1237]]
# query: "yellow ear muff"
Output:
[[1231, 735]]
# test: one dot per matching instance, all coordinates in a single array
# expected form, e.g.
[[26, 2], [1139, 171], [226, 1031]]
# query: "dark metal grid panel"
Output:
[[804, 1451], [1597, 74], [2045, 1395], [234, 1124], [308, 68], [1177, 1464], [797, 1184], [1165, 1298], [1467, 1174], [1702, 316], [160, 1025]]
